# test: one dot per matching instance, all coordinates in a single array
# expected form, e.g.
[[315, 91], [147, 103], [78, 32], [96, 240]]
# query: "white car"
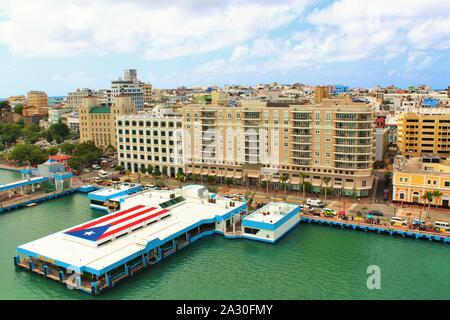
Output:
[[315, 203], [96, 167], [397, 221]]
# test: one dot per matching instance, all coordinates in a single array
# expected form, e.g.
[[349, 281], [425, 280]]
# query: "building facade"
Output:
[[97, 122], [151, 140], [37, 104], [329, 144], [424, 132], [75, 98], [415, 176]]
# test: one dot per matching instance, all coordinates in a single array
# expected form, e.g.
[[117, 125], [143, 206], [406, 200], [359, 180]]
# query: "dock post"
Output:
[[30, 265], [188, 238], [174, 245], [107, 280], [45, 271], [144, 260], [78, 281], [160, 256], [127, 270], [94, 288], [16, 260], [61, 277]]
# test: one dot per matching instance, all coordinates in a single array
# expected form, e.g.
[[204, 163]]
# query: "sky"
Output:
[[58, 46]]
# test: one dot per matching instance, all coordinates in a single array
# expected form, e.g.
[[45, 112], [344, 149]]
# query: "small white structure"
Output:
[[271, 222]]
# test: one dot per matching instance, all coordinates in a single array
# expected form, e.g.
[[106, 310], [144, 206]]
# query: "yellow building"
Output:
[[97, 123], [425, 132], [413, 177]]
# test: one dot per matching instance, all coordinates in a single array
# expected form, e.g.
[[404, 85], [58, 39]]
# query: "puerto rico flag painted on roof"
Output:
[[114, 223]]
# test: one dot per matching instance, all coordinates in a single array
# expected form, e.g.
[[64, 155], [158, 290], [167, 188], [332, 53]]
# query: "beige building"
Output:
[[424, 132], [75, 98], [264, 141], [98, 122], [147, 89], [37, 104]]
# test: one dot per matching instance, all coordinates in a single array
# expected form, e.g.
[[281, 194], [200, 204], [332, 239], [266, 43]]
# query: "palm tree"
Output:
[[437, 194], [326, 180], [180, 177], [229, 182], [283, 179], [195, 177], [428, 197], [150, 169], [303, 176]]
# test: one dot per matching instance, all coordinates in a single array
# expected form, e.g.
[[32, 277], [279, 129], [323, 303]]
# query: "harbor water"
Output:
[[311, 262]]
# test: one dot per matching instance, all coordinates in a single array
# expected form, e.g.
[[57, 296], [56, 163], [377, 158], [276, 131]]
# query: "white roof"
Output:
[[271, 213], [115, 189], [58, 246]]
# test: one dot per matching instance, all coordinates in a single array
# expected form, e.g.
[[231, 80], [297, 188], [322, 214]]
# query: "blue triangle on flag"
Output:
[[90, 234]]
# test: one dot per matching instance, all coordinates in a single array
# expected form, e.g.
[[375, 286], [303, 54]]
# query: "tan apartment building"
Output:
[[264, 141], [97, 122], [37, 104], [424, 132]]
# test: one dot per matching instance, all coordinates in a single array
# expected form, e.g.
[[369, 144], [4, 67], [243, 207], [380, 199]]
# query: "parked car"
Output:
[[86, 170], [96, 167], [399, 221], [328, 212], [315, 203], [376, 213]]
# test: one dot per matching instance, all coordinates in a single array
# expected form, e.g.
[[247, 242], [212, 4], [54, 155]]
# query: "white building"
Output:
[[152, 138]]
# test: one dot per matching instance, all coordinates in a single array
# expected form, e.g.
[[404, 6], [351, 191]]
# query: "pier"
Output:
[[380, 229]]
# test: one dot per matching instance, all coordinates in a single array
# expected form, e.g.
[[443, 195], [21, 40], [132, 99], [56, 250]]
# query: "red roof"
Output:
[[60, 157]]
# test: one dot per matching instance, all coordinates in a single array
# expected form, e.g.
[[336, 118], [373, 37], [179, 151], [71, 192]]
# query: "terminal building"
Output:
[[150, 226], [271, 222]]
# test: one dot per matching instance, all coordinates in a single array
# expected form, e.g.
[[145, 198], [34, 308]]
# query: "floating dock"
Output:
[[151, 225]]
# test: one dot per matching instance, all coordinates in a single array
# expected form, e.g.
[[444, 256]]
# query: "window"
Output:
[[251, 230]]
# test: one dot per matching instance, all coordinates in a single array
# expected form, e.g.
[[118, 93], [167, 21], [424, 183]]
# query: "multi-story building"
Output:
[[75, 98], [151, 139], [415, 176], [97, 122], [16, 100], [129, 86], [147, 89], [37, 104], [424, 132], [331, 143]]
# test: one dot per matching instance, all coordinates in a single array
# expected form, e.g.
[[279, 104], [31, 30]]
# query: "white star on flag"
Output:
[[89, 233]]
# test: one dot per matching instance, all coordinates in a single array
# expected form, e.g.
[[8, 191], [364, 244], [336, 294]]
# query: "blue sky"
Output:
[[58, 46]]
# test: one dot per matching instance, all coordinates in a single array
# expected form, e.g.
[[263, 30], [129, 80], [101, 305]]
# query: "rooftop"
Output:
[[271, 213], [422, 165], [134, 228], [100, 109]]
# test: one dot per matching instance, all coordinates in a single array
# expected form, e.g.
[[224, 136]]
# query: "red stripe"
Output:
[[107, 218], [134, 215], [106, 234]]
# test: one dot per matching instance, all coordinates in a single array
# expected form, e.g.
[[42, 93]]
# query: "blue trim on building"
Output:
[[270, 226], [94, 196]]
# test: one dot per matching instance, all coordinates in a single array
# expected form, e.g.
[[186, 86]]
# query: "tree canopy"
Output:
[[84, 154], [28, 153]]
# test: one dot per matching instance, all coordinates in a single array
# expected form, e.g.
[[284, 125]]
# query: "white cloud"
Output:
[[419, 60], [156, 29]]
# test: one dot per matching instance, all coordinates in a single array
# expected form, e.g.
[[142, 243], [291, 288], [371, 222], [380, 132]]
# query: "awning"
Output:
[[253, 175], [229, 175]]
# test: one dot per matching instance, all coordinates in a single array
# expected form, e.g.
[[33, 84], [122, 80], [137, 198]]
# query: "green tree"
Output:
[[326, 180], [58, 132], [119, 168], [31, 133], [229, 182], [164, 171], [180, 177], [303, 176], [28, 153], [150, 169], [18, 109], [51, 151], [2, 147], [195, 177], [210, 179], [156, 172], [428, 197], [84, 154], [283, 180], [9, 132], [67, 148]]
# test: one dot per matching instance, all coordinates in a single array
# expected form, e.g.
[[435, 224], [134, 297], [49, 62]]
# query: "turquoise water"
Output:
[[311, 262]]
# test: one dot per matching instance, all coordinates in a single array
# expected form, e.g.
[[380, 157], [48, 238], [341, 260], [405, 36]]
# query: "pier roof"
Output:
[[66, 250]]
